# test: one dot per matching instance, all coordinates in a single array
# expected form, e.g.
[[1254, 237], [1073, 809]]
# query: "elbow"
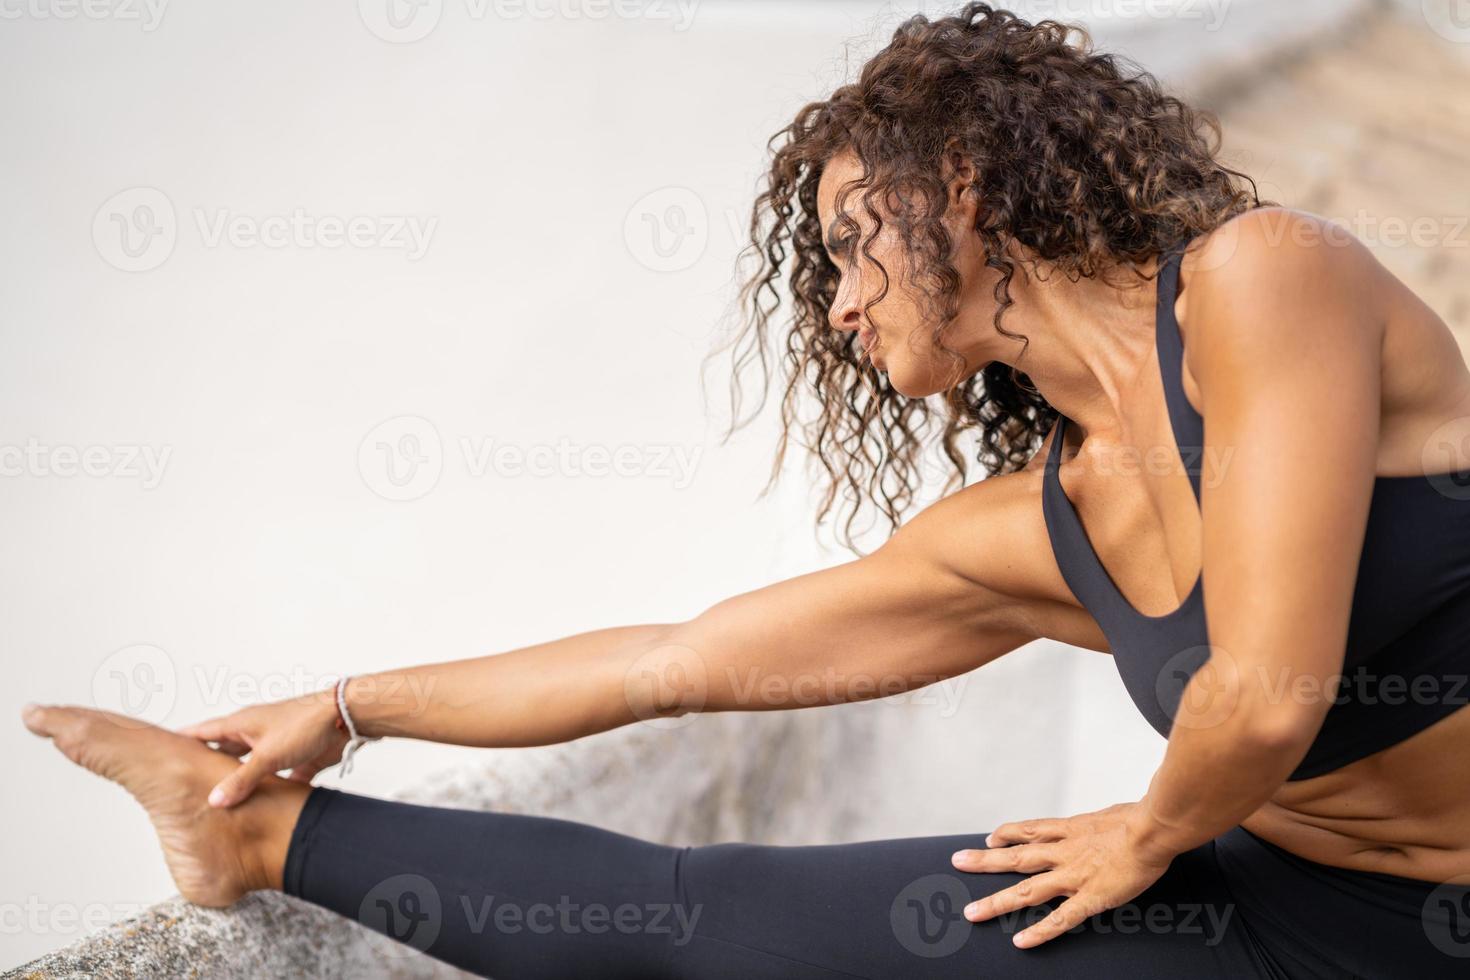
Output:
[[1279, 729], [666, 677]]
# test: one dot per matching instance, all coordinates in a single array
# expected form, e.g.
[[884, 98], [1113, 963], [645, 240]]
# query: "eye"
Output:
[[839, 243]]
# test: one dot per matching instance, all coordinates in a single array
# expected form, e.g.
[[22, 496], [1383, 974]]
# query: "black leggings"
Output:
[[516, 897]]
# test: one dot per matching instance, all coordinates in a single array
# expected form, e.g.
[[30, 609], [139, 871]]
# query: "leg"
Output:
[[531, 897]]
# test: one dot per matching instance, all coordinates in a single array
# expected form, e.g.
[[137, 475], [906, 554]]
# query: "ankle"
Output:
[[265, 832]]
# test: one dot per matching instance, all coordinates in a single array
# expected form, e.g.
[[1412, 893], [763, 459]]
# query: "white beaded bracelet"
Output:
[[344, 722]]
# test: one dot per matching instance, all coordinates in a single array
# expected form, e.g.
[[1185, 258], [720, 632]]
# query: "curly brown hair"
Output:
[[1081, 158]]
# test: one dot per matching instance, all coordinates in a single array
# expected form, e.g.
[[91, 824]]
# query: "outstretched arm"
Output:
[[953, 589]]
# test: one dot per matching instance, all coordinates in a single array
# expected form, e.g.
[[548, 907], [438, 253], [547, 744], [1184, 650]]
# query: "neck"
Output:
[[1083, 344]]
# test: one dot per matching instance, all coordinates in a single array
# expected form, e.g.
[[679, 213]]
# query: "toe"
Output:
[[63, 725], [34, 718]]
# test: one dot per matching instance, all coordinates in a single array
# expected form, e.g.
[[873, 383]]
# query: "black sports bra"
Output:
[[1407, 662]]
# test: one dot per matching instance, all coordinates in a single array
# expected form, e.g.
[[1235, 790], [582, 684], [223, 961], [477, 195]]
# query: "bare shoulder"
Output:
[[1277, 256], [1273, 293]]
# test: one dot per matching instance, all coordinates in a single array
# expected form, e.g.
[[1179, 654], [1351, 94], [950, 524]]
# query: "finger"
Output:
[[207, 731], [1064, 918], [231, 747], [304, 774], [1022, 895], [1023, 857], [238, 785], [1026, 832]]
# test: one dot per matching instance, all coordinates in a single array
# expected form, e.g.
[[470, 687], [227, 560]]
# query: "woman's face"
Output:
[[894, 332]]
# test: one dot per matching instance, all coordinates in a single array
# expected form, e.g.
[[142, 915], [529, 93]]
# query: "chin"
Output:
[[909, 383]]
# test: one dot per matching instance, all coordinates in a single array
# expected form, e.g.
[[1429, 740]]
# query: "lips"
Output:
[[868, 338]]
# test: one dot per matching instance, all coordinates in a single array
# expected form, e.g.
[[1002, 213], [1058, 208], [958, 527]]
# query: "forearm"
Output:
[[536, 695], [874, 627], [1217, 771]]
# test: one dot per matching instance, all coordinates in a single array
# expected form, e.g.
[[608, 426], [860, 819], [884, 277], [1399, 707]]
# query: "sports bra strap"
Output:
[[1187, 424]]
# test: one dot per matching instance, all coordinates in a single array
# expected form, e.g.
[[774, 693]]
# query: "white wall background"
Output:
[[264, 557]]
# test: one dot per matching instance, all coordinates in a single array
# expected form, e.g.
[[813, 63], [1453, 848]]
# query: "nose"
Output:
[[846, 312]]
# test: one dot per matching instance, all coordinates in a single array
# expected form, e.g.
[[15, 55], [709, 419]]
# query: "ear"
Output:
[[959, 174]]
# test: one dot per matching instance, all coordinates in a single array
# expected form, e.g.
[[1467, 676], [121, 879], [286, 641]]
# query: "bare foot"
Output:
[[214, 855]]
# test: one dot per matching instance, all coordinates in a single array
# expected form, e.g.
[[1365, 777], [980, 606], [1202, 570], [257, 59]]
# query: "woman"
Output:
[[996, 215]]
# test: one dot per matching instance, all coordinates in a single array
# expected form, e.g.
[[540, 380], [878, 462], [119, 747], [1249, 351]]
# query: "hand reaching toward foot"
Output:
[[300, 735]]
